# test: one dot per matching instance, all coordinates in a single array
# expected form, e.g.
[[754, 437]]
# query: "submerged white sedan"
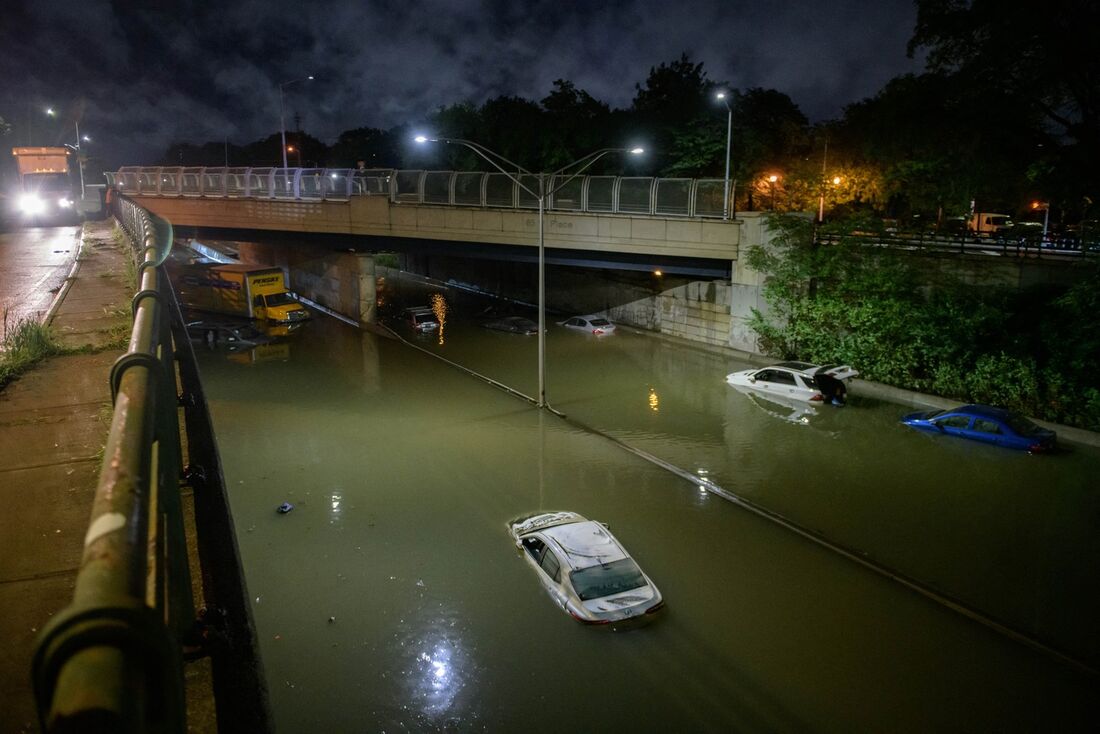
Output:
[[797, 381], [584, 568], [597, 325]]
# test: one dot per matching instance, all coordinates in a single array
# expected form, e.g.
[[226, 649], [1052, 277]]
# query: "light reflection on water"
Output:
[[391, 597]]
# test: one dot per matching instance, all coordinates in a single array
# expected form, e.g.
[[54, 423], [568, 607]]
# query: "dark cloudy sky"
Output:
[[144, 74]]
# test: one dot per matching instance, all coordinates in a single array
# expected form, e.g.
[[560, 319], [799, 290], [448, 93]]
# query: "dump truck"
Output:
[[46, 189], [241, 290]]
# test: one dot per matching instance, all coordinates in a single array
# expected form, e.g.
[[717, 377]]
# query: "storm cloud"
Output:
[[141, 75]]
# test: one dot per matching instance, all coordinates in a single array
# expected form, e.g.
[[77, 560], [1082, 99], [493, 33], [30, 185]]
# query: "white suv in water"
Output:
[[584, 568]]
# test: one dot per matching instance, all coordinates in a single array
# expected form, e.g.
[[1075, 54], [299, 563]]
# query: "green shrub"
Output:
[[1035, 351], [23, 345]]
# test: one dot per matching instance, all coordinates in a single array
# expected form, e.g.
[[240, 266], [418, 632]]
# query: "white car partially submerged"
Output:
[[584, 568], [797, 381], [593, 324]]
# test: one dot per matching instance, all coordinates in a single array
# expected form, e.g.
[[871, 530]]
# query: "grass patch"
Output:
[[122, 241], [24, 345]]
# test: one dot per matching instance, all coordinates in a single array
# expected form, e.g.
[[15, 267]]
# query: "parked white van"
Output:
[[989, 224]]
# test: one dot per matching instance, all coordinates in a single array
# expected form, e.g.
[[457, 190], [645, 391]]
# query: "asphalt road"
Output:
[[33, 265]]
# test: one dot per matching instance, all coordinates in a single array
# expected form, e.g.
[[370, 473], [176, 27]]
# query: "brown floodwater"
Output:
[[392, 599]]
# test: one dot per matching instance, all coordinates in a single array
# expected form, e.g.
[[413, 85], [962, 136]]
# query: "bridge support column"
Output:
[[746, 294], [367, 288]]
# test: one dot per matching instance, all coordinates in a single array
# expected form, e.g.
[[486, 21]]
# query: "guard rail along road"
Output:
[[113, 660]]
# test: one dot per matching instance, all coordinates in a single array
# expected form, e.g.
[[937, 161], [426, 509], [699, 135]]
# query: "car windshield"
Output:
[[932, 414], [600, 322], [595, 582], [424, 318], [278, 299]]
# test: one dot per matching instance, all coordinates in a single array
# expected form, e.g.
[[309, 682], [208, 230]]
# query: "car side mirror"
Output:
[[752, 380]]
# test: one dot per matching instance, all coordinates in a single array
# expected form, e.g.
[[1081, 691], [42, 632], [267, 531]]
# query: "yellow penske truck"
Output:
[[241, 290]]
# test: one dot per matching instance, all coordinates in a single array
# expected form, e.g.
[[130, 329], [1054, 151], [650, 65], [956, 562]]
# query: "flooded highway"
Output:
[[391, 598]]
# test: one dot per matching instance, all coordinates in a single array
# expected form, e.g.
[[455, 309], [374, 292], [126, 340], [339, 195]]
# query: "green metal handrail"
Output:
[[113, 659]]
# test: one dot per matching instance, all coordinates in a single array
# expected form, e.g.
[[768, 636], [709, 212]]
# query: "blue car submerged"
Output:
[[985, 423]]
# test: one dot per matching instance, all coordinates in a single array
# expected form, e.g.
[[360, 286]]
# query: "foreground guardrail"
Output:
[[113, 660], [671, 197]]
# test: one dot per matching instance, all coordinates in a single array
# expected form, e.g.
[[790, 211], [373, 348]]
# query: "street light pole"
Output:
[[282, 110], [79, 163], [76, 148], [729, 135], [542, 194], [821, 201]]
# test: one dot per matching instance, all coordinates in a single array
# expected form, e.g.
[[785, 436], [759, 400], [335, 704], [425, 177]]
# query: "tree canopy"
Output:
[[1007, 111]]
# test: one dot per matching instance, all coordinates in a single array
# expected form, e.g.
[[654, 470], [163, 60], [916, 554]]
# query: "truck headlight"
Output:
[[64, 203], [31, 204]]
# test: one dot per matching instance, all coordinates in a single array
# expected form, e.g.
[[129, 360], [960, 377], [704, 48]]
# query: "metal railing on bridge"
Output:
[[664, 197]]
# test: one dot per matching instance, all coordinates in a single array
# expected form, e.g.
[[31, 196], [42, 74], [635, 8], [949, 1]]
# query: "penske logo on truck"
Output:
[[268, 280]]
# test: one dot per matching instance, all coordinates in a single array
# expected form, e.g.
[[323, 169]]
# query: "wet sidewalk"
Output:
[[53, 426]]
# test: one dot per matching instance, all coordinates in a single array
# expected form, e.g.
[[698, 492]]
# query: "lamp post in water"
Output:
[[495, 160]]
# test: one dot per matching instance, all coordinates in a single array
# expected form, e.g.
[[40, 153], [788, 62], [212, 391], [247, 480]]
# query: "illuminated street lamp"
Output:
[[729, 130], [76, 148], [771, 186], [1045, 206], [495, 160], [282, 110]]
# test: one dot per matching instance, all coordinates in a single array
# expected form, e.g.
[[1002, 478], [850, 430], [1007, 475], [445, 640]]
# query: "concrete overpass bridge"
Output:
[[635, 222], [672, 226]]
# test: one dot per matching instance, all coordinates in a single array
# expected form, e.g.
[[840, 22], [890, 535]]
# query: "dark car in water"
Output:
[[513, 325], [987, 424], [231, 335]]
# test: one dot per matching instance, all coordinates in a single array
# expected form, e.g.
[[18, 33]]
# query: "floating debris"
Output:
[[284, 508]]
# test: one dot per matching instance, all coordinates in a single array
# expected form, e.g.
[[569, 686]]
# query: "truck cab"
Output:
[[46, 189], [278, 307]]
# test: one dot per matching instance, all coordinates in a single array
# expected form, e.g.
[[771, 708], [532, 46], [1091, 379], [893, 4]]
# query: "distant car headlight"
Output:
[[31, 204], [64, 203]]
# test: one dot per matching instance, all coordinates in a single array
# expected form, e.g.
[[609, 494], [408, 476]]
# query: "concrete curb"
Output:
[[922, 400], [52, 310]]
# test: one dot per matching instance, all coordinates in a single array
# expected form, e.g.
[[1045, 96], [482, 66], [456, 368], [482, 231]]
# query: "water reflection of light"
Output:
[[654, 401], [439, 308], [437, 678], [703, 479], [336, 506]]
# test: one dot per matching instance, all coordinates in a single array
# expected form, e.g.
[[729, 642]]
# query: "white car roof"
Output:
[[585, 544]]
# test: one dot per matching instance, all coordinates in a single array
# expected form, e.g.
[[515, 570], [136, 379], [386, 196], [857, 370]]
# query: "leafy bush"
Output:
[[1035, 351]]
